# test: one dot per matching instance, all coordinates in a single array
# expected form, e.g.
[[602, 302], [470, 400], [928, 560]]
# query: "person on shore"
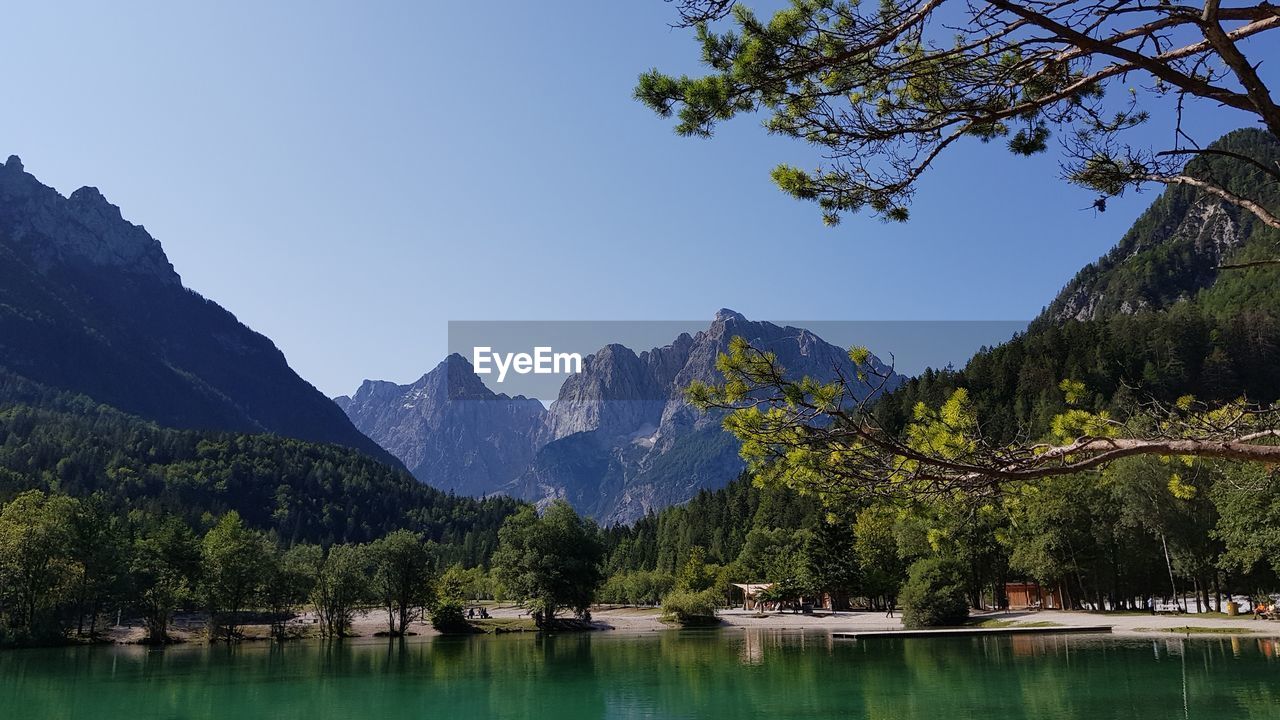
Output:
[[889, 614], [1262, 611]]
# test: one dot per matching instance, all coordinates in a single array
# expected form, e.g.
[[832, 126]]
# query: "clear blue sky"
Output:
[[347, 177]]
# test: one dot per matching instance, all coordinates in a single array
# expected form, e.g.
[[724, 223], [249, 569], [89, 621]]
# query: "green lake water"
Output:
[[709, 674]]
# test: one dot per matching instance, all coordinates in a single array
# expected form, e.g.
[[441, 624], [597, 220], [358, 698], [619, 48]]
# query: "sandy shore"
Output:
[[636, 619], [646, 620]]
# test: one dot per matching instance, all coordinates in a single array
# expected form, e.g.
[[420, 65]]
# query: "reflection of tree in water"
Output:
[[722, 673]]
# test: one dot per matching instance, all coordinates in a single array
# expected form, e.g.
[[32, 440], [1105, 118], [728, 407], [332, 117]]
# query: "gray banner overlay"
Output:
[[534, 358]]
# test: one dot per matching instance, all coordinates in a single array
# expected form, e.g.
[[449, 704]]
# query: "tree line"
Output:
[[69, 566], [303, 492]]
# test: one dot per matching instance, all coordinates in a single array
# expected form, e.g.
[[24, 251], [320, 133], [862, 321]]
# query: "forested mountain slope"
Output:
[[1154, 318], [305, 492]]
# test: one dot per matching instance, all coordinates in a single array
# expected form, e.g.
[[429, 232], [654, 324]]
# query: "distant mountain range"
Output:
[[619, 440], [90, 304]]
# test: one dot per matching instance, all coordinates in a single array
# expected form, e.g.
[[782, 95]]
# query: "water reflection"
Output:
[[724, 673]]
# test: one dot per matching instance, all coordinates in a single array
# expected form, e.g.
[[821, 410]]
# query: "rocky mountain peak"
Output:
[[619, 440], [81, 230], [725, 315], [90, 304], [448, 427]]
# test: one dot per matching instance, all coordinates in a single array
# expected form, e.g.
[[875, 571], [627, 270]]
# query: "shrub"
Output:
[[691, 608], [933, 594], [447, 617]]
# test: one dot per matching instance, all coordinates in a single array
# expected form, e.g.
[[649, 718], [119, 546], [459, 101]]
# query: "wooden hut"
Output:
[[1032, 596]]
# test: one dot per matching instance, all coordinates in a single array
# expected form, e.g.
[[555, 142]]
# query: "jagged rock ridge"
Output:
[[448, 428], [618, 441]]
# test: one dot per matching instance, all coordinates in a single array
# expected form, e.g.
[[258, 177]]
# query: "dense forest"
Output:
[[301, 491]]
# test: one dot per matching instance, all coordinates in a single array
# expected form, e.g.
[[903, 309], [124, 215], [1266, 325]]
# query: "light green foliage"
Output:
[[341, 585], [37, 570], [876, 546], [1248, 504], [460, 583], [235, 561], [948, 431], [448, 617], [163, 569], [1073, 391], [637, 587], [697, 575], [776, 555], [688, 607], [403, 578]]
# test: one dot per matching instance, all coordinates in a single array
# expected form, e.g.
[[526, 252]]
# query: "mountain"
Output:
[[1174, 249], [622, 439], [1153, 318], [449, 429], [89, 303], [619, 440]]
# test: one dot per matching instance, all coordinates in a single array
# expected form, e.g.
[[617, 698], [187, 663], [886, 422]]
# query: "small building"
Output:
[[1032, 596], [746, 594]]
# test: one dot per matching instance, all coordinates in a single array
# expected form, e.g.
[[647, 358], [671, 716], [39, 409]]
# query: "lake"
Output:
[[730, 673]]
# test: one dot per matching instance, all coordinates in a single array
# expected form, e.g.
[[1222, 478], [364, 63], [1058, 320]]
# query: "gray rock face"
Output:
[[449, 429], [83, 229], [619, 440], [1208, 230], [1174, 249], [648, 448]]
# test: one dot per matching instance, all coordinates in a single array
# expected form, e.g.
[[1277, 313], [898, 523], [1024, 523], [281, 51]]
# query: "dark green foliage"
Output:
[[934, 594], [100, 543], [832, 562], [551, 562], [716, 521], [447, 617], [1162, 321], [163, 568], [1120, 359], [289, 581], [1166, 323], [305, 492], [1160, 260]]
